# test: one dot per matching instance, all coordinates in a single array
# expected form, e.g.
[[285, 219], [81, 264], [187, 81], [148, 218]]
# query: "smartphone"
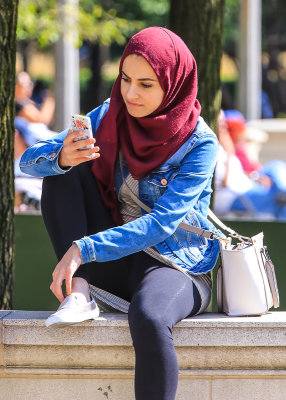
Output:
[[82, 123]]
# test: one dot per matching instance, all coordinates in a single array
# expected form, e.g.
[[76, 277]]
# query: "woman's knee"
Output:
[[62, 186], [50, 181], [54, 185], [147, 326], [60, 179]]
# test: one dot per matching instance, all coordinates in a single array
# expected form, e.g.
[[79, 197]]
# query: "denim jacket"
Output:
[[177, 191]]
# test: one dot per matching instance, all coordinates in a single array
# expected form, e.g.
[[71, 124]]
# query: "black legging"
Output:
[[160, 296]]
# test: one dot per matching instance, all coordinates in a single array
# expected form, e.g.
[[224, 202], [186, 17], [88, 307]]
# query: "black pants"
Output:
[[160, 296]]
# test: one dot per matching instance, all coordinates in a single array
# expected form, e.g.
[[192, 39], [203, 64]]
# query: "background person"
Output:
[[26, 107], [28, 190], [271, 174], [236, 192]]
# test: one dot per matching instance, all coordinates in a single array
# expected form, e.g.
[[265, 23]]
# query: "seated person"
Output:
[[26, 107], [28, 189], [269, 174], [236, 192], [237, 128]]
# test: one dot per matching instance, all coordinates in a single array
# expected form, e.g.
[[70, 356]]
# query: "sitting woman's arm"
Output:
[[41, 159], [46, 157], [45, 114]]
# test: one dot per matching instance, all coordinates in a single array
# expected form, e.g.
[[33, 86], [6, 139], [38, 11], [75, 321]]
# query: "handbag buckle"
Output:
[[243, 239], [221, 239], [227, 240]]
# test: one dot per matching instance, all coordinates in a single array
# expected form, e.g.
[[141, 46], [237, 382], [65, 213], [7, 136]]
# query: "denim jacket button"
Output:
[[164, 182], [53, 154]]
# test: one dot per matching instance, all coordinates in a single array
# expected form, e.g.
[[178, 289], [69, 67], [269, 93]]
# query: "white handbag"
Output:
[[246, 281]]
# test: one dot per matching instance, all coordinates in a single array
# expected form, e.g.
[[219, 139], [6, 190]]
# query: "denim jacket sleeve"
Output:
[[41, 159], [180, 197]]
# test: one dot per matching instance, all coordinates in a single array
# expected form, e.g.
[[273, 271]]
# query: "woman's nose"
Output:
[[132, 92]]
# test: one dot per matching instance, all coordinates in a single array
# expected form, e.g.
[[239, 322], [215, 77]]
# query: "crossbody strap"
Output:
[[190, 228], [202, 232], [218, 222]]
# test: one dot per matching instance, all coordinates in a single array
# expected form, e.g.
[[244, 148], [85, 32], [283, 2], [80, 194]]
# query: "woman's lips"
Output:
[[133, 104]]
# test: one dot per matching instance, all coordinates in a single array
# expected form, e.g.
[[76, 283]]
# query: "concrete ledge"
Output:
[[273, 149], [219, 358]]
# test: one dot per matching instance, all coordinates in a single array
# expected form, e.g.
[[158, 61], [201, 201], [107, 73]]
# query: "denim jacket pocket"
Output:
[[160, 179]]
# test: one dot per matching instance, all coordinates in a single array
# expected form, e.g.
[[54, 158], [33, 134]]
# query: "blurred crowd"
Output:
[[243, 186], [34, 115]]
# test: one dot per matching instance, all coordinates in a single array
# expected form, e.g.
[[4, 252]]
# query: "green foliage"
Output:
[[37, 20], [150, 11], [104, 26], [231, 26], [103, 21]]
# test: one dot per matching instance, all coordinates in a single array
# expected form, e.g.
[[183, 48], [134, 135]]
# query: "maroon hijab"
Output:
[[147, 142]]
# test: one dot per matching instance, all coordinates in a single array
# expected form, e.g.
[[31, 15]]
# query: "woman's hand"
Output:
[[265, 180], [64, 271], [70, 155]]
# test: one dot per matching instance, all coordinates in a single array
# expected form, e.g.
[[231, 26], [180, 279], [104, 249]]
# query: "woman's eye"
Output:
[[146, 85], [125, 79]]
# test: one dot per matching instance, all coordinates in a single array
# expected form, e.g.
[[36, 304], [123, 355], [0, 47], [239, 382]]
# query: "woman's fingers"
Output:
[[72, 140], [85, 152], [56, 288], [72, 153], [64, 271], [68, 282], [84, 156], [78, 144], [72, 136]]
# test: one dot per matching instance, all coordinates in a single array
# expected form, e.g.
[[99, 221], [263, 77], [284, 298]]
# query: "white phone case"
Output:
[[82, 122]]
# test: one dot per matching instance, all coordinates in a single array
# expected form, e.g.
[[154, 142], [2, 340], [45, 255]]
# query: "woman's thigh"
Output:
[[111, 276], [148, 284], [161, 292]]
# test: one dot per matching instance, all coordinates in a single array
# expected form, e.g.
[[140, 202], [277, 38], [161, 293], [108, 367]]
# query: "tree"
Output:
[[200, 25], [38, 22], [100, 22], [8, 22]]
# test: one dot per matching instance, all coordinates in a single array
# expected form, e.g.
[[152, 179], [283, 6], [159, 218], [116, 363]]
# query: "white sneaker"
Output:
[[72, 310]]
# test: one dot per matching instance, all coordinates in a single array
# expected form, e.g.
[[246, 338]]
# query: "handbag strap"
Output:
[[218, 222], [210, 235]]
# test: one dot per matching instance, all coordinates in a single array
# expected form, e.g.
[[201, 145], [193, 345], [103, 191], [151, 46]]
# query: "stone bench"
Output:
[[220, 358]]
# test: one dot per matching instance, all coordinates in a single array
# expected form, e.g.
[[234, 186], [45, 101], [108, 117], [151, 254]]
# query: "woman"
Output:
[[100, 234]]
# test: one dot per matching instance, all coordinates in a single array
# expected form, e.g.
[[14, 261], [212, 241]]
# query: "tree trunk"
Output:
[[200, 25], [8, 23], [96, 92]]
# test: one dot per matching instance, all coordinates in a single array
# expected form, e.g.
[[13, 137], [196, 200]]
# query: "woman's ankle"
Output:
[[80, 285]]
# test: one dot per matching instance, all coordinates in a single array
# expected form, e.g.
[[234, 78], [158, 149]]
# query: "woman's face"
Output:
[[140, 88]]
